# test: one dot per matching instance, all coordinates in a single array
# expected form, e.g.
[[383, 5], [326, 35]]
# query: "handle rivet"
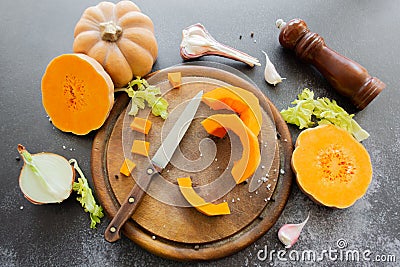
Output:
[[113, 229], [150, 171], [131, 200]]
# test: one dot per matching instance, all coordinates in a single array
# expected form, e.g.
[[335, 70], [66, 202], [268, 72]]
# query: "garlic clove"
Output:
[[288, 234], [45, 177], [198, 42], [270, 74]]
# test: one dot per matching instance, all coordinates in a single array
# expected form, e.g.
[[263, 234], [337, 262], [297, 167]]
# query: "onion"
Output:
[[45, 177]]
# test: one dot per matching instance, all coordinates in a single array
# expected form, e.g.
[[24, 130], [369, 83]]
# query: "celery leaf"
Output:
[[323, 111], [86, 197], [146, 93]]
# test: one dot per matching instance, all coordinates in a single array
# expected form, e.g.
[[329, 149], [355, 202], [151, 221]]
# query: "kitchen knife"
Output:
[[158, 163]]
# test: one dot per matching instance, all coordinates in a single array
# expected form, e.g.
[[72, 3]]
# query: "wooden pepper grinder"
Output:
[[346, 76]]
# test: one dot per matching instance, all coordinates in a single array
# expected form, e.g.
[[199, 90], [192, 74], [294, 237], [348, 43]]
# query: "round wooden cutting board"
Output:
[[164, 223]]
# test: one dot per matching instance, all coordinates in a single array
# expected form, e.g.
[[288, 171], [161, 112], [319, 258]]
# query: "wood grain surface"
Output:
[[164, 223]]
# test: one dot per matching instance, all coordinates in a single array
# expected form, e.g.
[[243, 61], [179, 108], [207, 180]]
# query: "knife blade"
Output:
[[158, 163]]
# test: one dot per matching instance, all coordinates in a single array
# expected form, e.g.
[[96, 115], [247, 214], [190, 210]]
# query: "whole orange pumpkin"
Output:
[[120, 37]]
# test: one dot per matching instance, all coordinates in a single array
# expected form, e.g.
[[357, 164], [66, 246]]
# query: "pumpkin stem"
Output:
[[110, 31]]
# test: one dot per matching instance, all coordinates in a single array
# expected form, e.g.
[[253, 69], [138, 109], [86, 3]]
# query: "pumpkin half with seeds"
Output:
[[77, 93], [331, 167], [120, 37]]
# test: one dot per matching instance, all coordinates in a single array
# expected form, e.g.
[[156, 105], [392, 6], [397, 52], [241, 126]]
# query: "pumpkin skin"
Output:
[[120, 37], [241, 101], [244, 167], [77, 93], [331, 166]]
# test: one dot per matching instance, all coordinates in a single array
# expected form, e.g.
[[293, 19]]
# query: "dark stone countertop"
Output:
[[34, 32]]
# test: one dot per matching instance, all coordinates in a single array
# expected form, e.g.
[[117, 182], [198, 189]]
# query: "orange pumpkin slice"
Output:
[[77, 93], [175, 79], [141, 125], [127, 167], [140, 147], [332, 167], [248, 163], [209, 209], [241, 101]]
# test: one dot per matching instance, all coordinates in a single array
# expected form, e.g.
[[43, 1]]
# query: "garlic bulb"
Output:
[[288, 234], [197, 42], [270, 74]]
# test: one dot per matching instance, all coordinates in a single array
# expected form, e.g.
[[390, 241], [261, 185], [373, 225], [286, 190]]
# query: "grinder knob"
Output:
[[348, 77]]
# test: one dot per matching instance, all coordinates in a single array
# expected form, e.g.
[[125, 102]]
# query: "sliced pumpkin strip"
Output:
[[140, 147], [210, 209], [77, 93], [248, 163], [332, 167], [175, 79], [243, 102], [141, 125], [127, 167]]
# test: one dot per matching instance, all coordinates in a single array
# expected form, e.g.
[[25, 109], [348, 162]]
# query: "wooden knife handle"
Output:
[[129, 205], [348, 77]]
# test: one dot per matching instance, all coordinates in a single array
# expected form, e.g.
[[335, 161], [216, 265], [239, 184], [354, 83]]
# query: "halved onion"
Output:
[[45, 177]]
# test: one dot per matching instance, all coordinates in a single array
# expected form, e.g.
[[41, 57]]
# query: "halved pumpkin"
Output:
[[248, 163], [332, 167], [210, 209], [243, 102], [77, 93]]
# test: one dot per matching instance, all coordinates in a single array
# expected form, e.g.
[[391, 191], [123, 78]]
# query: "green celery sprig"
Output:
[[145, 93], [86, 197], [308, 112]]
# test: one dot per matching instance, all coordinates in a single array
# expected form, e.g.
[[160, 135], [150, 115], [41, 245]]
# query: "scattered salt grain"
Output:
[[282, 171], [153, 237], [21, 208], [64, 147]]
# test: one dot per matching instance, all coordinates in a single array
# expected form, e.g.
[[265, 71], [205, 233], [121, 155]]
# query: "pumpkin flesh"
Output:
[[209, 209], [243, 102], [243, 168], [331, 166], [77, 93]]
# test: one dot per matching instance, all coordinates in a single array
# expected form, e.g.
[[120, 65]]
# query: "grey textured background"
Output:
[[33, 32]]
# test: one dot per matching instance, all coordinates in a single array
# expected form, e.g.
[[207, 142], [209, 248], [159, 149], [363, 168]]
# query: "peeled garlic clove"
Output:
[[45, 177], [270, 74], [197, 42], [288, 234]]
